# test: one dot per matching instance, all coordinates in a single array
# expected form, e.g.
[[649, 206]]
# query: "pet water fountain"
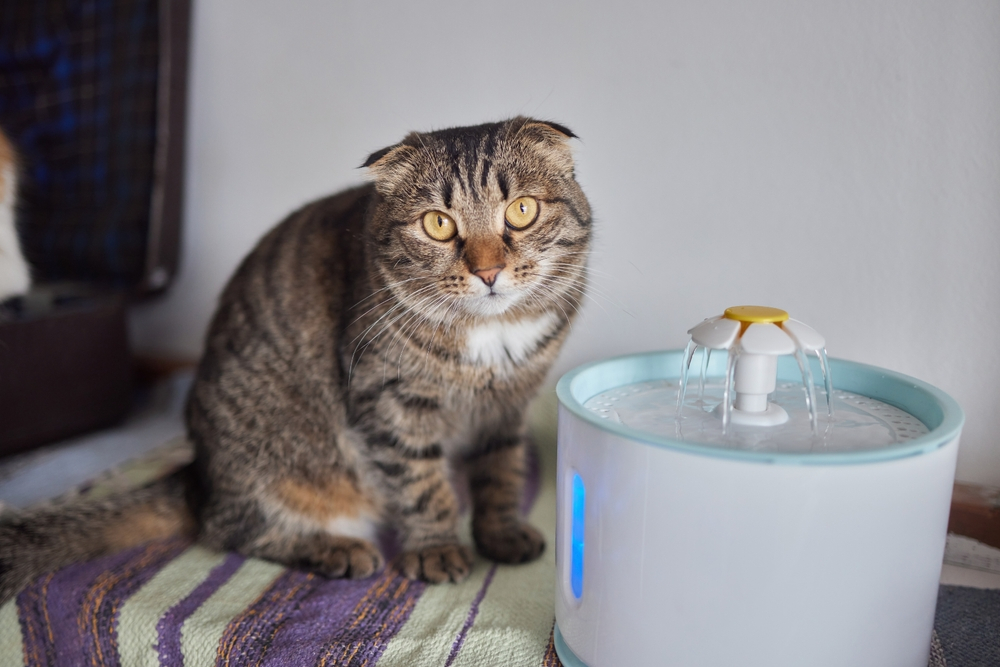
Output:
[[744, 516]]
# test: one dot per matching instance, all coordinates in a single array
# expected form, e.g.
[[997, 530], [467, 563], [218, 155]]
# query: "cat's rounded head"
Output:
[[481, 221]]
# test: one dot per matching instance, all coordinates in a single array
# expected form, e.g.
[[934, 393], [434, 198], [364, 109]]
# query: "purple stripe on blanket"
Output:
[[248, 637], [321, 616], [98, 619], [375, 619], [168, 630], [36, 628], [70, 617], [471, 618], [551, 658]]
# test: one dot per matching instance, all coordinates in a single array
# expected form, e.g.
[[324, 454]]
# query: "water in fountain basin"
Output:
[[733, 357], [857, 423]]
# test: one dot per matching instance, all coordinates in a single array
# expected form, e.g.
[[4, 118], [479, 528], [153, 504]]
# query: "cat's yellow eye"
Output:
[[522, 212], [439, 226]]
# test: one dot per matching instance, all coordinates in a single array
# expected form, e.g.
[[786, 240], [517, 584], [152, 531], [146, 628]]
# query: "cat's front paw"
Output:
[[438, 563], [341, 558], [516, 542]]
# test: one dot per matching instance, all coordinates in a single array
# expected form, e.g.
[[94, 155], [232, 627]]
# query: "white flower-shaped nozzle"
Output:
[[716, 333], [757, 335], [760, 330]]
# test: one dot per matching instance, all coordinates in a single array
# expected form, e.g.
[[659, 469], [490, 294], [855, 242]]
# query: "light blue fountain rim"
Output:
[[938, 411]]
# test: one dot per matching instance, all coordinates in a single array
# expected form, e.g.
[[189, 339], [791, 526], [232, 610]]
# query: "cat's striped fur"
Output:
[[353, 360]]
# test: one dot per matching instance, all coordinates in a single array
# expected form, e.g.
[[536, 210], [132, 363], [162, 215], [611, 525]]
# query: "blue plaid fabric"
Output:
[[78, 82]]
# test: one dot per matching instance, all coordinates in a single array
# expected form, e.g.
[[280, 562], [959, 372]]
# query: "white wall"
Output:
[[840, 160]]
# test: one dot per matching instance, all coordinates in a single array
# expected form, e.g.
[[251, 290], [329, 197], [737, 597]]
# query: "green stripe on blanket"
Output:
[[499, 616], [427, 637], [515, 616], [137, 624], [11, 643], [202, 632]]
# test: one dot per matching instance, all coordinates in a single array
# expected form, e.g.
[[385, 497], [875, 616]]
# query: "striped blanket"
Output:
[[175, 603]]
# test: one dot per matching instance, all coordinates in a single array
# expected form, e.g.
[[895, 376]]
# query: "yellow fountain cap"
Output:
[[755, 314]]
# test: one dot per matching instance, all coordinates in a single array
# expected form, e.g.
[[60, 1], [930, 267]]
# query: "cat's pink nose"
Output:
[[489, 276]]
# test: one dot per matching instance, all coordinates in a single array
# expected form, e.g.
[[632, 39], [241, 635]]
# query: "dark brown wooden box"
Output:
[[64, 365]]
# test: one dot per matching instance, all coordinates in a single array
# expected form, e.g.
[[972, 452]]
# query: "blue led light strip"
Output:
[[576, 562]]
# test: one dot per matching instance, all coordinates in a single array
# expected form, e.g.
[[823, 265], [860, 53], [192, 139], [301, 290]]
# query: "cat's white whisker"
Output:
[[376, 306], [409, 309], [401, 305], [390, 286], [570, 286], [406, 330]]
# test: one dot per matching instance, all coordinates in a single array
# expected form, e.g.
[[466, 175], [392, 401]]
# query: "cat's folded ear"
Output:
[[389, 165], [557, 127], [551, 138]]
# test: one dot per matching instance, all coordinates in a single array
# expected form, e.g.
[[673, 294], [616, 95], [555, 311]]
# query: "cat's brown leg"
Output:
[[425, 511], [402, 426], [496, 479]]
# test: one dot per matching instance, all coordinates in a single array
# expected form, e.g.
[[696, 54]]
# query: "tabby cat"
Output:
[[14, 276], [370, 342]]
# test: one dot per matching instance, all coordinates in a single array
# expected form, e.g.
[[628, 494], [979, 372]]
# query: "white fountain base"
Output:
[[774, 415], [675, 553]]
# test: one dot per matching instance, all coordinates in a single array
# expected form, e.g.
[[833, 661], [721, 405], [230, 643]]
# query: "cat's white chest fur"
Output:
[[504, 344]]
